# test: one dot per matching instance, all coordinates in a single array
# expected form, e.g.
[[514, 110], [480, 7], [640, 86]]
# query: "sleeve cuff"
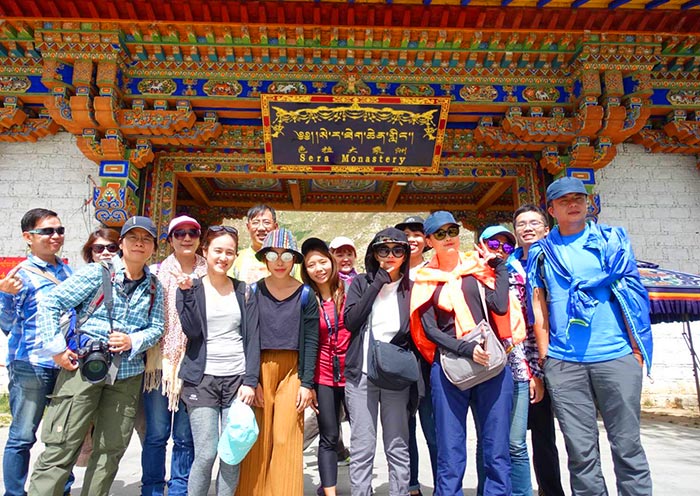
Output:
[[55, 346], [136, 344]]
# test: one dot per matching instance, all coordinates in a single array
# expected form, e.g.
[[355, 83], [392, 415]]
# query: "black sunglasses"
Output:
[[49, 231], [383, 251], [181, 233], [452, 232], [112, 248], [228, 229]]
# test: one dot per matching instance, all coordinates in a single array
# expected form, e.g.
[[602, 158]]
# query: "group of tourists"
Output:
[[283, 327]]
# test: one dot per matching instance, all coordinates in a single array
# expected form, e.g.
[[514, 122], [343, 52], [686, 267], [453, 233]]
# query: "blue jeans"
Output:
[[29, 388], [492, 401], [160, 423], [519, 458]]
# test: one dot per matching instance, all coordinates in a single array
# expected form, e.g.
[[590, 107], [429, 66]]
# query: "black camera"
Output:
[[95, 360], [336, 369]]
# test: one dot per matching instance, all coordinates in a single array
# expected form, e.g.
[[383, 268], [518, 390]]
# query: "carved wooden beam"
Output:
[[192, 186]]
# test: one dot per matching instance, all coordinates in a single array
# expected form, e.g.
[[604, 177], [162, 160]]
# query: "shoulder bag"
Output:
[[390, 366], [464, 372]]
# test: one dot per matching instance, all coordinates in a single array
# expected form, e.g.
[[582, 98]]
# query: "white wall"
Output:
[[51, 173], [656, 197]]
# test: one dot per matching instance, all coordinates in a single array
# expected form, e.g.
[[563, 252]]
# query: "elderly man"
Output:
[[594, 335]]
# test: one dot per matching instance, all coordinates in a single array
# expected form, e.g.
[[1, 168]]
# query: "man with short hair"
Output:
[[530, 225], [32, 375], [591, 315], [260, 220]]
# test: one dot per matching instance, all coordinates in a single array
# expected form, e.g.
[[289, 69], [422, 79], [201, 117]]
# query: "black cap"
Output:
[[312, 244], [414, 223]]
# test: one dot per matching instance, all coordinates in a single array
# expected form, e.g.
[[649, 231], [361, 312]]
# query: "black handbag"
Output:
[[390, 366]]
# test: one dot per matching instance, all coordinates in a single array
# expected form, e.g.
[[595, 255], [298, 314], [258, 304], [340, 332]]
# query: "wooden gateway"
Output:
[[472, 106]]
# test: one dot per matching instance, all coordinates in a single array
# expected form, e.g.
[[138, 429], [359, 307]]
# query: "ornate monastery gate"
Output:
[[165, 95]]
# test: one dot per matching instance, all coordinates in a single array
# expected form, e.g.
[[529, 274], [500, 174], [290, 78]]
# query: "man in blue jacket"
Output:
[[591, 317]]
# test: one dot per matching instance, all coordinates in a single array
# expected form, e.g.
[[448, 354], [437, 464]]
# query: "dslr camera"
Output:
[[95, 360]]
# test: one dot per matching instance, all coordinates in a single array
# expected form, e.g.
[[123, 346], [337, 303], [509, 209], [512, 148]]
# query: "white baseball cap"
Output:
[[341, 241]]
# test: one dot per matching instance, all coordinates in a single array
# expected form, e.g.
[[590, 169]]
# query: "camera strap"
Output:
[[109, 305], [332, 330]]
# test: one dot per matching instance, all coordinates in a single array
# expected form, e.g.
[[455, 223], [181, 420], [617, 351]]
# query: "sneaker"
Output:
[[344, 458]]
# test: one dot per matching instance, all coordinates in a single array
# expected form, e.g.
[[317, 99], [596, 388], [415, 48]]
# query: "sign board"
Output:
[[353, 134]]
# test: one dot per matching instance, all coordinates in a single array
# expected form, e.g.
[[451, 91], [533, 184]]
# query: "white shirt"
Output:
[[385, 319]]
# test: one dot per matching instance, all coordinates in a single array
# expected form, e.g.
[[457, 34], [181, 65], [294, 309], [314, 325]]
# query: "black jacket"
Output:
[[191, 305], [360, 298]]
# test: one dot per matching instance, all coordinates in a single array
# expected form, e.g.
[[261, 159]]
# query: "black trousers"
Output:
[[545, 457], [330, 403]]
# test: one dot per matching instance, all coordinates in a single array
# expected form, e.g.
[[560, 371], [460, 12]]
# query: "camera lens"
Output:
[[95, 367]]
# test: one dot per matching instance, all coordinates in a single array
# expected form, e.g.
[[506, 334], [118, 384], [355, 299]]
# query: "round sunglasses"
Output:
[[286, 256]]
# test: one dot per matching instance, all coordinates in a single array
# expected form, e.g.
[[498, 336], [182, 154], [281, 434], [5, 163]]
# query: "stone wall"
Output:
[[656, 198]]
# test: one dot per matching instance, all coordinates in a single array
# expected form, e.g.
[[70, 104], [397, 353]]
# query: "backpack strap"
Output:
[[39, 272]]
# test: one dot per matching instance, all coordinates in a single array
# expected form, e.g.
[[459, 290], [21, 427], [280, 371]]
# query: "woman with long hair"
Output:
[[288, 320], [222, 359], [320, 272]]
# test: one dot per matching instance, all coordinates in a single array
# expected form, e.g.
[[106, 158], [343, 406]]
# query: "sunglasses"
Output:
[[228, 229], [494, 245], [49, 231], [181, 233], [286, 256], [112, 248], [452, 232], [383, 251]]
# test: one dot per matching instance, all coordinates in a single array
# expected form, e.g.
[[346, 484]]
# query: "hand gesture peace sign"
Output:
[[183, 280]]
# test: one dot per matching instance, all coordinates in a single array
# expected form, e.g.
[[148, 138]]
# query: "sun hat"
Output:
[[180, 220], [339, 241], [139, 222], [239, 434], [313, 244], [492, 231], [436, 220], [564, 186], [280, 238]]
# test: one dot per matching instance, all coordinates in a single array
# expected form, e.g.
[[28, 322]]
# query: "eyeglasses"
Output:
[[494, 245], [535, 224], [286, 256], [383, 251], [266, 223], [228, 229], [48, 231], [181, 233], [132, 238], [452, 232], [112, 248]]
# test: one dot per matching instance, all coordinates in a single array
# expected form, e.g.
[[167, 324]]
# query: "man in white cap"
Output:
[[165, 414], [343, 250]]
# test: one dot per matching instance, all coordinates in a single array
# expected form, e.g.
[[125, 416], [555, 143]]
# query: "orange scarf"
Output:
[[510, 325]]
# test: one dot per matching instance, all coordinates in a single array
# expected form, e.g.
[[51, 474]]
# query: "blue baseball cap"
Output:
[[436, 220], [492, 231], [140, 222], [564, 186]]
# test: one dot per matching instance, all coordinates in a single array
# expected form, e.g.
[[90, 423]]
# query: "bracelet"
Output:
[[541, 360]]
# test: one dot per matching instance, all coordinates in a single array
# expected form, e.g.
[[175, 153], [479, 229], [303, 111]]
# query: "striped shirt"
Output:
[[135, 315], [18, 313]]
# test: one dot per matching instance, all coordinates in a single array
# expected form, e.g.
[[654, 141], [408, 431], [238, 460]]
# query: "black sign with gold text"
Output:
[[324, 133]]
